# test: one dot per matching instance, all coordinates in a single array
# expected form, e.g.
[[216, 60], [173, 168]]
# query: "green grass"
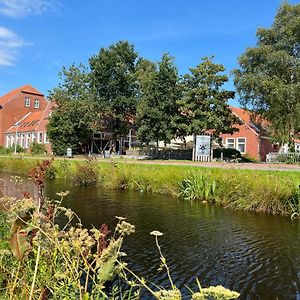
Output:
[[271, 192]]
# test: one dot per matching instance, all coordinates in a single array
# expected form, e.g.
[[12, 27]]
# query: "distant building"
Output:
[[251, 139], [23, 118]]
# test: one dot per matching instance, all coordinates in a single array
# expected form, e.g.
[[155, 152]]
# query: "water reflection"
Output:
[[254, 254]]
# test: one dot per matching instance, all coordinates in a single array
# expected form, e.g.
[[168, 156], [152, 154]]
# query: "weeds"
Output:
[[248, 190], [198, 186]]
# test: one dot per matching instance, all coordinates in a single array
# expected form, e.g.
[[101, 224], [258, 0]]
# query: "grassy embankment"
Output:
[[270, 192]]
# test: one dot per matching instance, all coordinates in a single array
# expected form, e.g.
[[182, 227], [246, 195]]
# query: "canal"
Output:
[[256, 255]]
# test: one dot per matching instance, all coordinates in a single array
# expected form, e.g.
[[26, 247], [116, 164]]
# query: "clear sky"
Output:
[[38, 37]]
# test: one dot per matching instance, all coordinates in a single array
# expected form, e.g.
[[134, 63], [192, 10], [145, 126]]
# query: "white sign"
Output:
[[202, 145]]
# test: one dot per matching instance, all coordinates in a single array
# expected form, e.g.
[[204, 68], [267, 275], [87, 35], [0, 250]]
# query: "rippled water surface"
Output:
[[257, 255]]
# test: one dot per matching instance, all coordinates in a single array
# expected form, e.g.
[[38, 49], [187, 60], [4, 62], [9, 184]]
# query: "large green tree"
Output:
[[75, 115], [268, 77], [158, 102], [116, 89], [203, 106]]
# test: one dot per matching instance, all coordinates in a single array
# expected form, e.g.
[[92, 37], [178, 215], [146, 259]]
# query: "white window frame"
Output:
[[27, 140], [7, 141], [27, 102], [241, 143], [33, 137], [40, 137], [46, 141], [231, 143], [22, 140], [36, 103]]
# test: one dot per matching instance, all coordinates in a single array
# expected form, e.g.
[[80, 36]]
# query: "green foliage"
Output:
[[229, 154], [248, 190], [268, 79], [204, 106], [67, 261], [215, 293], [294, 202], [114, 82], [11, 150], [76, 115], [86, 174], [198, 186], [157, 107], [36, 149]]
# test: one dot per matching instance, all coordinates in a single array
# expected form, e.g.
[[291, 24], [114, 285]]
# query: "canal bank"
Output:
[[271, 192]]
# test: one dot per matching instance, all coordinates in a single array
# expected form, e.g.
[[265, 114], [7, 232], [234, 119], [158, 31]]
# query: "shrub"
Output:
[[36, 149], [10, 150], [228, 154]]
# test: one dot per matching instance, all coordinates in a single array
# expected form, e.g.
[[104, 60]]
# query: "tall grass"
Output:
[[271, 192]]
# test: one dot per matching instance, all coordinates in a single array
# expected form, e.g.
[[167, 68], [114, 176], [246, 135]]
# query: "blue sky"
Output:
[[39, 37]]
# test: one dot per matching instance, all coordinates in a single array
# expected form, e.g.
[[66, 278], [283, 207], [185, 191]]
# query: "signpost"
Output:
[[202, 148]]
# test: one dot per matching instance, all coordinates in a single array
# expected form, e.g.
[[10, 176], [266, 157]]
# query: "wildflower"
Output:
[[120, 218], [62, 194], [156, 233], [69, 213], [125, 228]]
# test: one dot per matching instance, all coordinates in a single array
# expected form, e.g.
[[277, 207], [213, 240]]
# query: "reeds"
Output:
[[271, 192]]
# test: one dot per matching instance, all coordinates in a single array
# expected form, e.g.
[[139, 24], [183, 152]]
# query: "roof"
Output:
[[28, 123], [247, 117], [23, 89]]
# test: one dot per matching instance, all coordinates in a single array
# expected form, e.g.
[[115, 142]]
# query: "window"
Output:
[[33, 137], [46, 141], [27, 140], [40, 137], [230, 143], [27, 102], [22, 140], [36, 103], [241, 145], [7, 141]]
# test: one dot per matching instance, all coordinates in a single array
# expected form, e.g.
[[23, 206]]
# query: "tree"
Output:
[[268, 78], [204, 104], [76, 115], [114, 81], [158, 103]]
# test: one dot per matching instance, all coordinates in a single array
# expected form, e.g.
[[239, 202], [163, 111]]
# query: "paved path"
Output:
[[248, 166]]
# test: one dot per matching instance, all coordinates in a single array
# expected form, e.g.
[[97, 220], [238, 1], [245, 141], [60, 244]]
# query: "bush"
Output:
[[229, 154], [36, 149], [10, 150]]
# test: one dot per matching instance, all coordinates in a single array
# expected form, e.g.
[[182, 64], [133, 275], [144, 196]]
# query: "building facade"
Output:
[[251, 138], [23, 118]]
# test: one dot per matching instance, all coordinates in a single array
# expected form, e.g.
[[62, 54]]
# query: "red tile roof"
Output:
[[29, 123], [23, 89], [255, 122]]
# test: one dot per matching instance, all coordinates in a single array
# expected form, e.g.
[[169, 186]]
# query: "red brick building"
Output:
[[251, 139], [23, 117]]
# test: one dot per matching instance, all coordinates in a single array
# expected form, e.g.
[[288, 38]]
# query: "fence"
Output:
[[283, 157]]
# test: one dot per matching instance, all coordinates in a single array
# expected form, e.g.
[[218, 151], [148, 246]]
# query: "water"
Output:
[[256, 255]]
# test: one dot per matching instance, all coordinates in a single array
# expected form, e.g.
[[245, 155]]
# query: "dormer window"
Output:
[[27, 102], [36, 103]]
